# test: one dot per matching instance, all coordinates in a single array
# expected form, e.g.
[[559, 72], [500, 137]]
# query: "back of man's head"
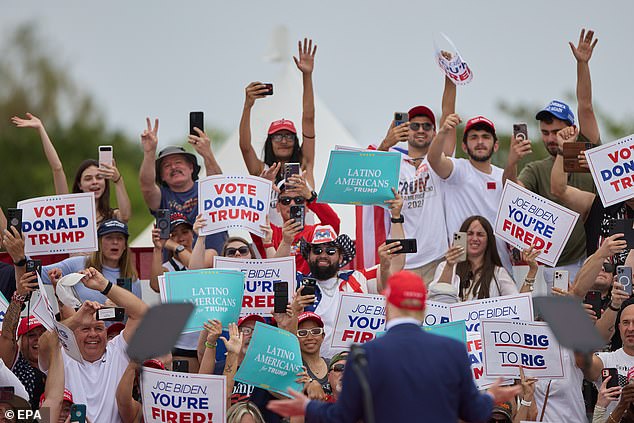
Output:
[[406, 294]]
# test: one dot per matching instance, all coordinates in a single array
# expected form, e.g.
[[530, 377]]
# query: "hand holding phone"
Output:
[[196, 120], [614, 380], [460, 240], [163, 223], [78, 413], [561, 280], [280, 299], [308, 286], [520, 131], [181, 366], [624, 277], [14, 220], [105, 155], [110, 314], [408, 245], [400, 118], [298, 213], [594, 299]]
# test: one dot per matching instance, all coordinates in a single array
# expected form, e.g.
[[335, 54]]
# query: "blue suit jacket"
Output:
[[413, 376]]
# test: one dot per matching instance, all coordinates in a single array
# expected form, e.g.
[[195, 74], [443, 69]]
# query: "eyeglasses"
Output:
[[303, 333], [338, 368], [280, 137], [331, 251], [231, 251], [287, 200], [414, 126], [246, 330]]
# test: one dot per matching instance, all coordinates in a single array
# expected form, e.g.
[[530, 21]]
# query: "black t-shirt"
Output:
[[597, 225], [7, 280], [325, 385]]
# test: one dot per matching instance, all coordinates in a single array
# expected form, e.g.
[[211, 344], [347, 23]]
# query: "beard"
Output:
[[323, 273], [480, 158]]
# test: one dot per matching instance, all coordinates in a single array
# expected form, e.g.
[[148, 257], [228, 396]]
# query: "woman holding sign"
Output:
[[282, 143], [91, 176], [480, 274]]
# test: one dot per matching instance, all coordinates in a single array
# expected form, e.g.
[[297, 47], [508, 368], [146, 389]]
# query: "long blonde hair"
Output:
[[126, 268], [241, 409]]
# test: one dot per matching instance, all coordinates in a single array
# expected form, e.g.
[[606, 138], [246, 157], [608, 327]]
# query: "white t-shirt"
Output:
[[423, 210], [469, 192], [505, 284], [565, 398], [327, 308], [622, 362], [95, 384]]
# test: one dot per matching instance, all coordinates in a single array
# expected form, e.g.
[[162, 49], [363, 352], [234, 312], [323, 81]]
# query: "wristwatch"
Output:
[[313, 197], [178, 250], [400, 219], [20, 263]]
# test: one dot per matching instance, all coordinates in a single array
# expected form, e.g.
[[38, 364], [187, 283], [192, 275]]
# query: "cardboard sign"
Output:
[[68, 341], [525, 218], [360, 177], [359, 318], [234, 202], [4, 305], [259, 277], [509, 344], [454, 330], [456, 68], [474, 351], [216, 293], [41, 306], [183, 397], [272, 360], [436, 313], [518, 307], [59, 224], [612, 168]]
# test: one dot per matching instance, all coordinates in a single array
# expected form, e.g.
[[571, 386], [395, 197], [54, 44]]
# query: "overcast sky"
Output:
[[165, 59]]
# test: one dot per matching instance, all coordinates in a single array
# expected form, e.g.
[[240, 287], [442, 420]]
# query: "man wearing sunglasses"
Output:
[[420, 186], [296, 192], [432, 381]]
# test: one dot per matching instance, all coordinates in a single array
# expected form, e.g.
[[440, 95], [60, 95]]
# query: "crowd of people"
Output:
[[421, 376]]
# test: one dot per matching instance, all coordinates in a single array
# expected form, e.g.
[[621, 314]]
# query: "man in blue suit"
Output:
[[413, 375]]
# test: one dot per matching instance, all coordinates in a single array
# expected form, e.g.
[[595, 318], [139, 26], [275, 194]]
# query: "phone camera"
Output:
[[14, 221], [162, 224]]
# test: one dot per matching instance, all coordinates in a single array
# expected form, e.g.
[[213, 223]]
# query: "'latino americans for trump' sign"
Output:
[[229, 202], [59, 224], [526, 219], [612, 167]]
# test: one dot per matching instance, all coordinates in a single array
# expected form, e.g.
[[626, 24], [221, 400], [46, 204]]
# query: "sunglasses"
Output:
[[338, 368], [608, 267], [231, 251], [414, 126], [246, 330], [280, 137], [331, 251], [287, 200], [303, 333]]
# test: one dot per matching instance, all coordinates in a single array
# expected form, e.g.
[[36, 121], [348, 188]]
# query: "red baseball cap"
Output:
[[422, 111], [479, 119], [154, 364], [68, 396], [309, 315], [282, 124], [115, 327], [406, 290], [250, 317], [28, 324]]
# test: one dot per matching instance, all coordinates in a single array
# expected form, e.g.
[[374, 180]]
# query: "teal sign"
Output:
[[454, 330], [272, 360], [216, 293], [360, 177]]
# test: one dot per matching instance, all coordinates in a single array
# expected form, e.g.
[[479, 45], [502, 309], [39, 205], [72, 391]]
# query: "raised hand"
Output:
[[234, 343], [386, 251], [618, 295], [271, 172], [306, 61], [297, 184], [200, 223], [200, 142], [156, 238], [27, 283], [453, 254], [14, 243], [585, 47], [529, 255], [268, 232], [301, 301], [253, 91], [290, 229], [30, 122], [396, 204], [612, 245], [110, 172], [519, 149], [450, 123], [567, 134], [149, 137], [607, 395], [93, 279], [55, 274], [214, 330], [396, 134]]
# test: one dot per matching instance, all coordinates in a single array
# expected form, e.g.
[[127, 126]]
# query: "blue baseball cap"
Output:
[[112, 226], [558, 109]]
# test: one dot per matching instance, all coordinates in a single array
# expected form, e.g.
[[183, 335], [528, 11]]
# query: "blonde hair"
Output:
[[126, 268], [241, 409]]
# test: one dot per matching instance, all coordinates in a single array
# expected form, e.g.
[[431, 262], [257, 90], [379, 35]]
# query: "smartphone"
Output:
[[298, 213], [125, 283], [78, 413], [460, 240], [571, 152], [269, 86], [561, 279], [196, 120], [163, 223], [14, 219], [308, 286], [181, 366], [400, 118], [408, 244], [624, 276], [520, 131], [625, 227], [291, 169], [7, 393], [280, 301], [111, 314], [611, 371], [34, 266], [594, 299], [105, 155]]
